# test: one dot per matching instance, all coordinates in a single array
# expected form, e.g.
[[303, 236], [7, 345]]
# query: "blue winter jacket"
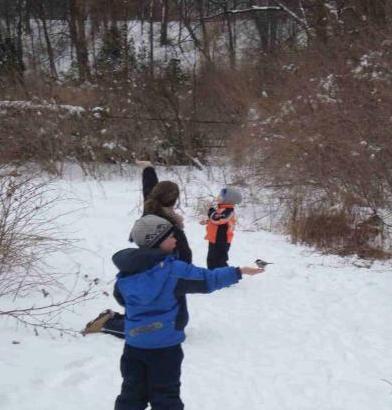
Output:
[[152, 287]]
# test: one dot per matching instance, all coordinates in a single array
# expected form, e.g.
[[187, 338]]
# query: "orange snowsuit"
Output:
[[221, 222]]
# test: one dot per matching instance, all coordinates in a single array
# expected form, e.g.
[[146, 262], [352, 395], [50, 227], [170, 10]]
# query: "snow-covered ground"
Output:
[[312, 333]]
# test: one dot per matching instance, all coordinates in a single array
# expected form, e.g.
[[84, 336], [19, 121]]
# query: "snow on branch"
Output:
[[251, 9], [280, 7], [295, 16], [28, 105]]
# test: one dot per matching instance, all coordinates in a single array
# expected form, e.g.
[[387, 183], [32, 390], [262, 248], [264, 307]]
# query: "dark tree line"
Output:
[[186, 106], [274, 21], [86, 20]]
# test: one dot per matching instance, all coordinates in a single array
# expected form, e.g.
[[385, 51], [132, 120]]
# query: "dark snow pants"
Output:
[[218, 255], [150, 376]]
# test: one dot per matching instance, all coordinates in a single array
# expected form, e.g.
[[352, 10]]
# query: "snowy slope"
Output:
[[312, 333]]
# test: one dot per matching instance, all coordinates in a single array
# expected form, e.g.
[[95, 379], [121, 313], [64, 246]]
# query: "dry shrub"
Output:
[[221, 99], [75, 95], [171, 118], [321, 229], [29, 235], [37, 87], [343, 231], [54, 123], [26, 233], [324, 126]]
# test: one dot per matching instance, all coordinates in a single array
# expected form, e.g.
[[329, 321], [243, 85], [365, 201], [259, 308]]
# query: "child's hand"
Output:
[[247, 270]]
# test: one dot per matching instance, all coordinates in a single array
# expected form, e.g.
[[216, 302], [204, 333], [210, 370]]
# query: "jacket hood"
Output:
[[141, 279], [130, 261]]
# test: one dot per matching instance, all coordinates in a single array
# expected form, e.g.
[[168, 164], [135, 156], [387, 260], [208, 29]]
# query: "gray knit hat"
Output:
[[150, 230], [230, 196]]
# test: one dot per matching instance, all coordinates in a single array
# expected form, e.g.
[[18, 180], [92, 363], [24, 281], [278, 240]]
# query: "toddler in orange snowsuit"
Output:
[[220, 227]]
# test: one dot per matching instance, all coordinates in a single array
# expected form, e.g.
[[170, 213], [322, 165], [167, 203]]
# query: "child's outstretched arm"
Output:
[[192, 279]]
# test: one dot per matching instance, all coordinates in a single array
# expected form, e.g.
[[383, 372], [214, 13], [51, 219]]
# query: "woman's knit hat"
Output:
[[150, 231]]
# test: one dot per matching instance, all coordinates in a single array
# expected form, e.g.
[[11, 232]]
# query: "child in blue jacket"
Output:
[[151, 285]]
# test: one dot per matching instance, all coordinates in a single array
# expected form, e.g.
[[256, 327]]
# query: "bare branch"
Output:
[[295, 16], [247, 10]]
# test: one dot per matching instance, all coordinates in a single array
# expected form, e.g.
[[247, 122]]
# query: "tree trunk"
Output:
[[261, 23], [151, 37], [232, 50], [164, 21], [78, 37], [19, 42], [321, 21], [206, 39], [52, 65]]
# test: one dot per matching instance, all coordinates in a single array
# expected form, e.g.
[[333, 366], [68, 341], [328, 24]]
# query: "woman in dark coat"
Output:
[[159, 199]]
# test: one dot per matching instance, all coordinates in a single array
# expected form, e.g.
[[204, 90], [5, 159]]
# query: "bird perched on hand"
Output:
[[262, 264]]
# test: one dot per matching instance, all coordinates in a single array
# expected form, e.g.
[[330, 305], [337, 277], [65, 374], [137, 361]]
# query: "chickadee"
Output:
[[262, 264]]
